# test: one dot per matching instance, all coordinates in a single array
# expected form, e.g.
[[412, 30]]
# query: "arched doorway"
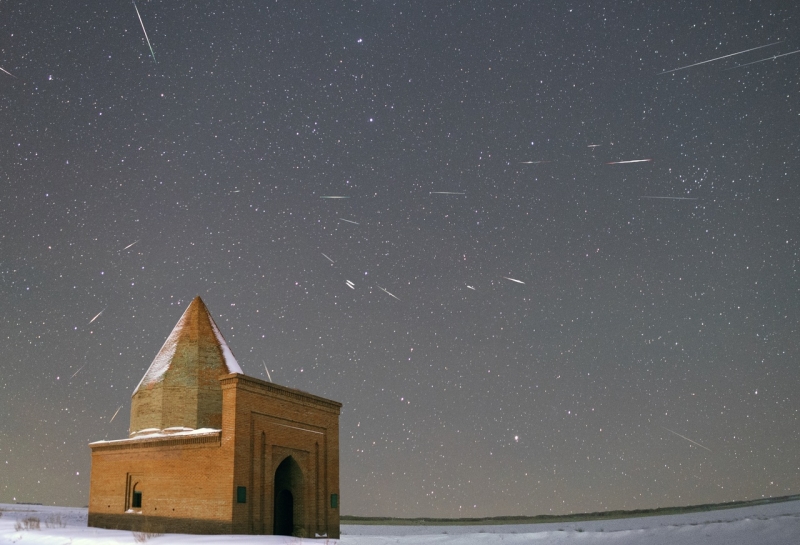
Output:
[[288, 505]]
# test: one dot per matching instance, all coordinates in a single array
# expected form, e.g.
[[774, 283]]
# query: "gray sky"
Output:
[[513, 325]]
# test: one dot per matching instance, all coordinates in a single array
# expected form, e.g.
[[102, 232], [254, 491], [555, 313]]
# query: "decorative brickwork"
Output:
[[272, 464]]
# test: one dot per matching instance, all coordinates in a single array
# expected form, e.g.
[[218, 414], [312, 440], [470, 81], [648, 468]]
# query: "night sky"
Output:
[[559, 335]]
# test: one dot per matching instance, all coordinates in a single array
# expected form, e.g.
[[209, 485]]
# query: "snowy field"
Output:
[[775, 524]]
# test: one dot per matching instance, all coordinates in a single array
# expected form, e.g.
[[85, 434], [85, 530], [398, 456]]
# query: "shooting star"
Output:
[[763, 60], [333, 197], [684, 437], [145, 32], [533, 162], [349, 221], [128, 246], [76, 372], [672, 198], [388, 293], [716, 59], [267, 370], [115, 414], [594, 145], [9, 73], [98, 315], [514, 280], [471, 287], [447, 193], [350, 284], [328, 258], [630, 161]]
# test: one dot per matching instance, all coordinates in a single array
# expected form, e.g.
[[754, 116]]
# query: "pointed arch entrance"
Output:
[[288, 501]]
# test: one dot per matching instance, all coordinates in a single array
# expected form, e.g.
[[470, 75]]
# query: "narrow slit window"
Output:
[[136, 501]]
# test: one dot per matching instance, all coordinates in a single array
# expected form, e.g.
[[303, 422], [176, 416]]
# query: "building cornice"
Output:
[[259, 386], [212, 437]]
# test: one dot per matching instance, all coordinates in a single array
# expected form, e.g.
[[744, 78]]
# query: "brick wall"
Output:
[[182, 480], [274, 422], [189, 483]]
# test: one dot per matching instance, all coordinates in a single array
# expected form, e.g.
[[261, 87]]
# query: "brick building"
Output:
[[214, 451]]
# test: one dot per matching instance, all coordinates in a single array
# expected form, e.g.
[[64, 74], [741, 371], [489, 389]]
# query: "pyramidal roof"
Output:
[[195, 328]]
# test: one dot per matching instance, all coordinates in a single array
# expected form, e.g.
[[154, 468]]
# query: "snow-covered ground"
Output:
[[775, 524]]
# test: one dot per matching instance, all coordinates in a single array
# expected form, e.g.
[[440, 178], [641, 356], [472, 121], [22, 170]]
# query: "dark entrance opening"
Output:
[[288, 505], [284, 513], [136, 496]]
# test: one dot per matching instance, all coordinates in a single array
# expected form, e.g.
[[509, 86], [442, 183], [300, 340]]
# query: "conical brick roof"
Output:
[[195, 332], [181, 387]]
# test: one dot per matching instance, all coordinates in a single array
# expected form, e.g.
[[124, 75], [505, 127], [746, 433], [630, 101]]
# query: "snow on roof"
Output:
[[155, 433], [230, 361], [195, 313]]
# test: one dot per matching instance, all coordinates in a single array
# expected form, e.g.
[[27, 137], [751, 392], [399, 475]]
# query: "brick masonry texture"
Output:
[[270, 442], [188, 393]]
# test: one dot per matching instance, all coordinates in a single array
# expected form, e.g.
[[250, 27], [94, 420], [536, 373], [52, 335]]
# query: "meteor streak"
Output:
[[328, 258], [630, 161], [684, 437], [716, 59], [98, 315], [349, 221], [9, 73], [672, 198], [350, 284], [763, 60], [115, 415], [145, 32], [471, 287], [533, 162], [333, 197], [128, 246], [447, 193], [388, 293], [267, 370], [514, 280], [76, 372]]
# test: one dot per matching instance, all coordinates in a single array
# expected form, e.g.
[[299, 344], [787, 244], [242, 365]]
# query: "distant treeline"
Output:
[[541, 519]]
